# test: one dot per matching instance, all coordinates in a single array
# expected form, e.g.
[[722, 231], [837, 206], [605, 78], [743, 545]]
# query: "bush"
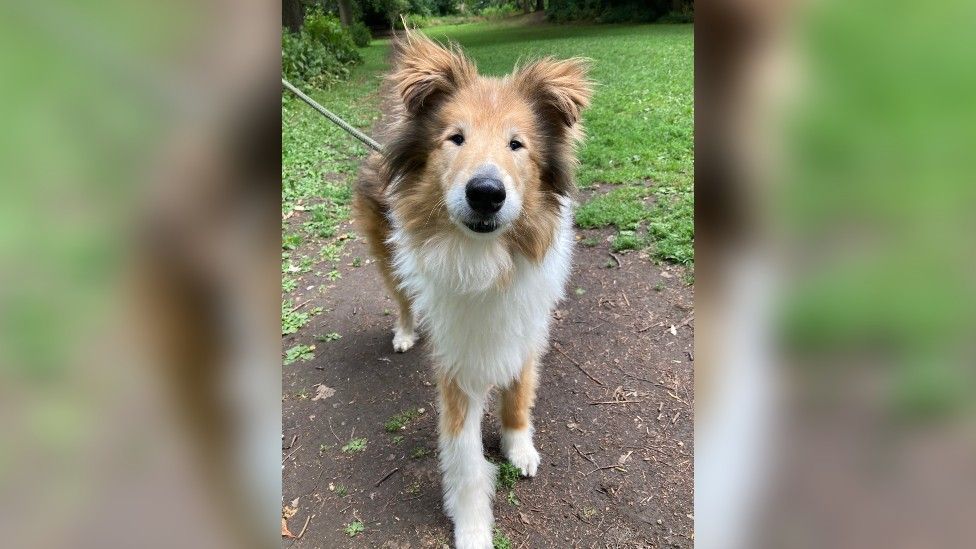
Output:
[[621, 11], [328, 31], [360, 34], [414, 21], [500, 12], [320, 54]]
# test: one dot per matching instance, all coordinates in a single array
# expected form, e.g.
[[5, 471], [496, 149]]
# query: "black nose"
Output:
[[485, 195]]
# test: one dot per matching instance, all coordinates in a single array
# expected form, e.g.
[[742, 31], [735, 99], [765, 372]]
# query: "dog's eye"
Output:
[[457, 139], [515, 144]]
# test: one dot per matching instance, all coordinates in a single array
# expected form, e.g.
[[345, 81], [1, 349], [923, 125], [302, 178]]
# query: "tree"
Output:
[[540, 5], [345, 12], [292, 14]]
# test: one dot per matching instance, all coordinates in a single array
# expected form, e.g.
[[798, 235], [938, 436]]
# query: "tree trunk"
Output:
[[292, 15], [540, 5], [345, 12], [527, 6]]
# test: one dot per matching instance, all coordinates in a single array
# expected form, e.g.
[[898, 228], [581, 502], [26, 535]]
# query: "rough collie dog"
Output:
[[469, 218]]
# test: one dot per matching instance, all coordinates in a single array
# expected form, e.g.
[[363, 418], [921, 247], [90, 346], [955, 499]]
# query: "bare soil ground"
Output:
[[613, 418]]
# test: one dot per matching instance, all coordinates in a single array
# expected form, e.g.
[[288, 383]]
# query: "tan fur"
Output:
[[518, 399], [455, 404]]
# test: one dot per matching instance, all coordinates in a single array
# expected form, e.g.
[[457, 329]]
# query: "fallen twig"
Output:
[[388, 475], [584, 456], [302, 533], [617, 467], [615, 258], [578, 365], [614, 402]]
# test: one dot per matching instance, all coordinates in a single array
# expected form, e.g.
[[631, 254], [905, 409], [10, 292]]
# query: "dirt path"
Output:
[[618, 392]]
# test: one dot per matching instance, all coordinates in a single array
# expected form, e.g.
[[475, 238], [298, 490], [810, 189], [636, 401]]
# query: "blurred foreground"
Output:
[[836, 305], [139, 380]]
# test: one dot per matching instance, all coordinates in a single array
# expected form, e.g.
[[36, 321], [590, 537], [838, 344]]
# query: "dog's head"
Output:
[[482, 154]]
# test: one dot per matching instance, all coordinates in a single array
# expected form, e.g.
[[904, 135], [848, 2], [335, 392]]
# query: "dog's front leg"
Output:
[[468, 478], [517, 402]]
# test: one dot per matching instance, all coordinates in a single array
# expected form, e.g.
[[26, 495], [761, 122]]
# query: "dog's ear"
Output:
[[425, 72], [560, 88]]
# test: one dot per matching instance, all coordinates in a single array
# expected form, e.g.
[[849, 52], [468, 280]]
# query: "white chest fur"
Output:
[[482, 331]]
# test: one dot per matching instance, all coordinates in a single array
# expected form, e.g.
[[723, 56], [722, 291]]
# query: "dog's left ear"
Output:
[[561, 88], [425, 72]]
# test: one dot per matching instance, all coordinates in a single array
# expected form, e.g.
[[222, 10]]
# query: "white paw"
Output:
[[403, 341], [473, 537], [518, 449]]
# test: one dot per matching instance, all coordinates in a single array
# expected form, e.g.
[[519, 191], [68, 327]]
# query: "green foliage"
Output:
[[291, 319], [500, 12], [325, 29], [400, 421], [500, 540], [302, 353], [354, 528], [320, 54], [508, 475], [354, 446], [360, 34], [623, 207]]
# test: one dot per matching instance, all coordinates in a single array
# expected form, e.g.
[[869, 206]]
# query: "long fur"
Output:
[[484, 303]]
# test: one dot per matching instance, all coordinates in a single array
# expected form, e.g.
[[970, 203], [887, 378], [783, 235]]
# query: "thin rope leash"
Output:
[[367, 140]]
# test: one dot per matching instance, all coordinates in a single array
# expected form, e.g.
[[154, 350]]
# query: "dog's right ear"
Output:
[[425, 72]]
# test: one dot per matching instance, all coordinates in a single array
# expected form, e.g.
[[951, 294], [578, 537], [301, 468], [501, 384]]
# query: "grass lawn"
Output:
[[640, 127]]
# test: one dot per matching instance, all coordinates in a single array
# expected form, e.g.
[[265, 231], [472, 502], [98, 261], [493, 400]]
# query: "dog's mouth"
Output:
[[482, 226]]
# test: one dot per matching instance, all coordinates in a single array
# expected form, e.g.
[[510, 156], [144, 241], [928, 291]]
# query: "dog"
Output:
[[469, 217]]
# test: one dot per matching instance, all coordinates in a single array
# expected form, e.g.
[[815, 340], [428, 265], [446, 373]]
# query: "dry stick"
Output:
[[388, 475], [302, 533], [333, 432], [615, 258], [292, 452], [302, 304], [617, 467], [578, 365], [615, 402], [625, 298], [584, 456]]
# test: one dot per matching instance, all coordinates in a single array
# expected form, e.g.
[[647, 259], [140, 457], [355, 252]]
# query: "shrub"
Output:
[[500, 12], [360, 34], [414, 21], [320, 54], [308, 62], [329, 32]]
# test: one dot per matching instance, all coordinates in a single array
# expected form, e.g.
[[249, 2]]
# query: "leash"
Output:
[[367, 140]]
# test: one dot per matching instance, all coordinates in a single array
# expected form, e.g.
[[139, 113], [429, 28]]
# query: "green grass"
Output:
[[400, 421], [500, 540], [508, 475], [639, 128], [354, 446]]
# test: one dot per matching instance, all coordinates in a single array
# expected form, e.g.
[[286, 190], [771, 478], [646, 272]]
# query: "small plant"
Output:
[[398, 439], [627, 240], [354, 528], [341, 491], [589, 242], [508, 475], [579, 291], [413, 489], [500, 540], [658, 287], [291, 319], [400, 421], [291, 241], [512, 499], [288, 284], [301, 353], [322, 448], [357, 262], [420, 452], [355, 446], [331, 336], [334, 275]]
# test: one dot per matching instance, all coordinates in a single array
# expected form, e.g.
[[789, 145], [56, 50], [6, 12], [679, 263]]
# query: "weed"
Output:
[[341, 491], [420, 452], [500, 540], [291, 319], [331, 336], [334, 275], [291, 241], [508, 475], [302, 353], [288, 284], [589, 242], [398, 439], [355, 445], [354, 528], [357, 262], [400, 421], [512, 499]]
